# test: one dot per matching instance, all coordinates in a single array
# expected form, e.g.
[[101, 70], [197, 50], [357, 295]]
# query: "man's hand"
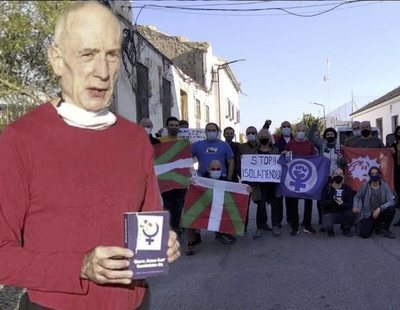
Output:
[[173, 252], [356, 210], [107, 265], [338, 200], [376, 213]]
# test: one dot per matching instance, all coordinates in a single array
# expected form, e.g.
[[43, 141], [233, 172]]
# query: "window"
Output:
[[394, 122], [207, 114], [166, 99], [198, 109], [237, 116], [228, 108], [232, 118], [142, 94], [184, 106], [379, 124]]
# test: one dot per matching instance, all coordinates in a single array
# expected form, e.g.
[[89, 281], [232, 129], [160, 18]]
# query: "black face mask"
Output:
[[264, 141], [338, 179], [365, 132], [375, 178], [330, 139]]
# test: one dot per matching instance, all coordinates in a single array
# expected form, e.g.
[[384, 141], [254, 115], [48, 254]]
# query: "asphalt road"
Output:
[[303, 272]]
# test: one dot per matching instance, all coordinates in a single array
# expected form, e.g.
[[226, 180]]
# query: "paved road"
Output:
[[303, 272]]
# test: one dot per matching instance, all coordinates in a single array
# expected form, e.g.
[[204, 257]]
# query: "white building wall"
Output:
[[385, 111]]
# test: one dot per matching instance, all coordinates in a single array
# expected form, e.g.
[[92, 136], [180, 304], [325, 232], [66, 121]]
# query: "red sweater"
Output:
[[63, 191], [304, 147]]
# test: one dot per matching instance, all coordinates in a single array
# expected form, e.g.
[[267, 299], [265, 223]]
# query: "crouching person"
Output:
[[337, 202], [374, 204]]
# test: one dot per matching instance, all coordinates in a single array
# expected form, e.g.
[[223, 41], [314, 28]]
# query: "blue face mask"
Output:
[[215, 174], [212, 135], [286, 132], [357, 132], [300, 135]]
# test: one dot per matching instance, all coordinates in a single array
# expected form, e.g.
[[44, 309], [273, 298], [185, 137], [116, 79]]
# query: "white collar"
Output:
[[81, 118]]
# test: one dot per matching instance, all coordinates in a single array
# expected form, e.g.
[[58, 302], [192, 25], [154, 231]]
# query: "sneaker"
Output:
[[389, 234], [225, 238], [294, 232], [309, 230], [257, 234], [276, 232], [331, 233], [190, 249]]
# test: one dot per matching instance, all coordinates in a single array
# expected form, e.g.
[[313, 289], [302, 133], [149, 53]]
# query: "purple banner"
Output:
[[304, 176]]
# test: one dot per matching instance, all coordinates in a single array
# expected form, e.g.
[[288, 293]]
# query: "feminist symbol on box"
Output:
[[302, 176]]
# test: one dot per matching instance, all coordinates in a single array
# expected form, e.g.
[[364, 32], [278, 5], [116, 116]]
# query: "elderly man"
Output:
[[69, 171], [147, 124], [367, 140], [355, 126]]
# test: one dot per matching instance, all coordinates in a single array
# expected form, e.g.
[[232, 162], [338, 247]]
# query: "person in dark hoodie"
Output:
[[337, 202]]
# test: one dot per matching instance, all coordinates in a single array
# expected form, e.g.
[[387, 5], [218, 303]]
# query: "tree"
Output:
[[308, 119], [26, 78]]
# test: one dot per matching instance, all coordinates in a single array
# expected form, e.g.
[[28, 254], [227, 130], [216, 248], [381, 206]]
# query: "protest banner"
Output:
[[192, 134], [261, 168], [360, 160], [304, 176], [216, 206]]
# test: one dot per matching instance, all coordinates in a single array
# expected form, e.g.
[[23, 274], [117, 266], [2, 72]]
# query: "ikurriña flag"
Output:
[[304, 176], [360, 160], [216, 206], [173, 161]]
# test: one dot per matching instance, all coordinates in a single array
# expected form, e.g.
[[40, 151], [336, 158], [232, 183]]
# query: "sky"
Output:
[[286, 56]]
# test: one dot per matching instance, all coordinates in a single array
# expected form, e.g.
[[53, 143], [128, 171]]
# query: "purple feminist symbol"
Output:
[[150, 237], [300, 173]]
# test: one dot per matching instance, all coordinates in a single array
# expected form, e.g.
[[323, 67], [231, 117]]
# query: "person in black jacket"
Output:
[[147, 124], [337, 203]]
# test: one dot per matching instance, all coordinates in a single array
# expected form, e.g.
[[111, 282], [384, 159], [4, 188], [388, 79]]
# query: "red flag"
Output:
[[216, 206], [360, 160]]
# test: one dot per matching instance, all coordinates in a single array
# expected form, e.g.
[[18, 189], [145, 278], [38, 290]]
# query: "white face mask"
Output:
[[215, 174], [81, 118], [212, 135], [300, 135], [251, 138], [148, 130], [286, 132]]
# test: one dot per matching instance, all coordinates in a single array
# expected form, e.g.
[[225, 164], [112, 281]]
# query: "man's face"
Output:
[[90, 59], [146, 124], [229, 134], [300, 128], [173, 128], [365, 125]]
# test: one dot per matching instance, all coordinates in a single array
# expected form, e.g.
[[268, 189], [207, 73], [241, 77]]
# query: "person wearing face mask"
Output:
[[373, 205], [396, 156], [213, 148], [147, 124], [337, 202], [286, 136], [355, 126], [367, 140], [265, 192], [247, 148], [302, 147]]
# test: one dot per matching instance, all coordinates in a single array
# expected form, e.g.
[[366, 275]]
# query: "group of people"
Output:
[[369, 209]]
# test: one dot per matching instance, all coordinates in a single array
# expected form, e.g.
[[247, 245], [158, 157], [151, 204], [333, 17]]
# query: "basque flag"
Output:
[[360, 160], [215, 206], [304, 176], [173, 161]]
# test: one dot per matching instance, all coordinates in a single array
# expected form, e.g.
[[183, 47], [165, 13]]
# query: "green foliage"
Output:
[[26, 78], [308, 119]]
